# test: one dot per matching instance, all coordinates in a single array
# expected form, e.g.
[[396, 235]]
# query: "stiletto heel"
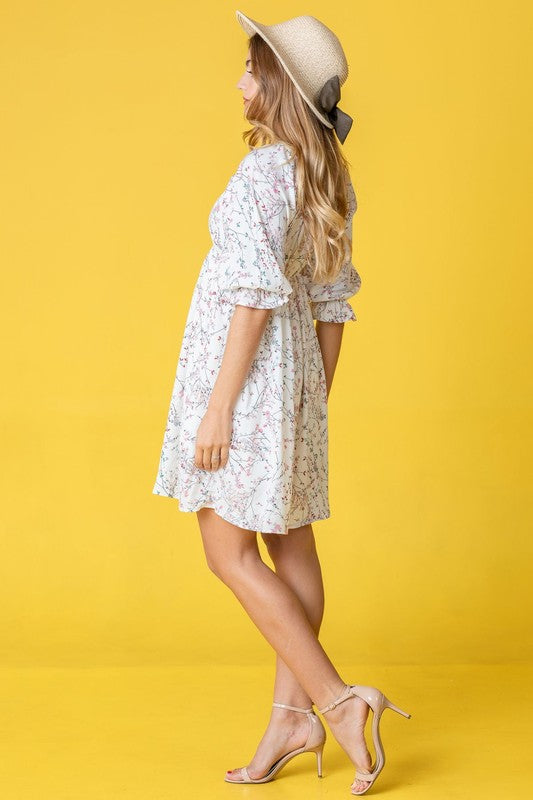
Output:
[[319, 762], [395, 708], [378, 703], [314, 744], [319, 750]]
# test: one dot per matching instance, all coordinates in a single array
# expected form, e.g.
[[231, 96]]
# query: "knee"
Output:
[[231, 567], [218, 564], [214, 565]]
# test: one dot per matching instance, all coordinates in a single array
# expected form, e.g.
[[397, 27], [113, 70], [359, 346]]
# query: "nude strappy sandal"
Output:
[[314, 744], [378, 703]]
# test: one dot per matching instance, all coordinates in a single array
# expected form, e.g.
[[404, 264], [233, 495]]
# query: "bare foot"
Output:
[[347, 724], [286, 731]]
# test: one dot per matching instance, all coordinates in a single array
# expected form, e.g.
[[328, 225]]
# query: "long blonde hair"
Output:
[[279, 113]]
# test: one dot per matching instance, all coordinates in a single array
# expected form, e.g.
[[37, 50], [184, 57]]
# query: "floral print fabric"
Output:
[[276, 476]]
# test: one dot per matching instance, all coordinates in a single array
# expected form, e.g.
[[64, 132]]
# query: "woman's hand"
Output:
[[214, 432], [213, 438]]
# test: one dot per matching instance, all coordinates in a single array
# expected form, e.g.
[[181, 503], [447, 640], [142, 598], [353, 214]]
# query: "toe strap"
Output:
[[360, 776]]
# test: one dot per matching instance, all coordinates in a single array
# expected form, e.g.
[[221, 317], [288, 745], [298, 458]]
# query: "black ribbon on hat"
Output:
[[329, 96]]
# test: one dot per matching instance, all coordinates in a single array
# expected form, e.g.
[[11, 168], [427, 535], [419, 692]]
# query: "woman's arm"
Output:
[[214, 432], [244, 334], [329, 336]]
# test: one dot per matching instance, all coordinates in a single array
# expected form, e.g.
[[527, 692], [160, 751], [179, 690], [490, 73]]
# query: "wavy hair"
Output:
[[278, 112]]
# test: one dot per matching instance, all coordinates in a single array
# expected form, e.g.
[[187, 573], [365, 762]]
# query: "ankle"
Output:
[[340, 706], [340, 713], [286, 715]]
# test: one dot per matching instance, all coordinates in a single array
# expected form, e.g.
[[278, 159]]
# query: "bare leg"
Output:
[[233, 555], [296, 562]]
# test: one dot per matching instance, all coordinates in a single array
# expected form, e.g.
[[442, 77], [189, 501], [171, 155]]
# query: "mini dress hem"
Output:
[[226, 517]]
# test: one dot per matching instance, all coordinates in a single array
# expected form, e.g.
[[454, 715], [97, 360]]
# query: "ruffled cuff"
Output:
[[333, 311], [329, 300], [257, 288]]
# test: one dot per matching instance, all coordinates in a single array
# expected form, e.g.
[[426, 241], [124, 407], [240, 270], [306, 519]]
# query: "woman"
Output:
[[245, 445]]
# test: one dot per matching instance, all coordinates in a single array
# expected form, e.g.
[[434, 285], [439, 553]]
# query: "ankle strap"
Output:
[[340, 699], [293, 708]]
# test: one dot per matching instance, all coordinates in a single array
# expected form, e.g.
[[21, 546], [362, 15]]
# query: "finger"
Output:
[[202, 457], [206, 458], [199, 457], [215, 460], [224, 455], [211, 458]]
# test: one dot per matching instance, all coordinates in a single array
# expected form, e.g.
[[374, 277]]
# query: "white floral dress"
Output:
[[276, 476]]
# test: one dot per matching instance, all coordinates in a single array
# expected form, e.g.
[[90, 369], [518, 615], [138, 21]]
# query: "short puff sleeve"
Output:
[[329, 300], [257, 217]]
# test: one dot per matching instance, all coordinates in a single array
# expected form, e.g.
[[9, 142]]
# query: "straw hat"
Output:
[[314, 60]]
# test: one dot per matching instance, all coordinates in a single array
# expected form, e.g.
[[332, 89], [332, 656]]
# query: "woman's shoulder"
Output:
[[267, 160]]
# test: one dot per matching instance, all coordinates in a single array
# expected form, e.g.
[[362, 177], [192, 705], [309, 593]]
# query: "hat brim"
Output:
[[250, 26]]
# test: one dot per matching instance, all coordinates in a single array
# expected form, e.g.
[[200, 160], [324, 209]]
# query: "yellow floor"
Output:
[[171, 732]]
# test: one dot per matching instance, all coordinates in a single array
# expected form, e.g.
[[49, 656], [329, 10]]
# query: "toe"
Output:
[[237, 776], [359, 784], [234, 775]]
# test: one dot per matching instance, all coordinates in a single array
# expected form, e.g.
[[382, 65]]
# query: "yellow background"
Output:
[[121, 124]]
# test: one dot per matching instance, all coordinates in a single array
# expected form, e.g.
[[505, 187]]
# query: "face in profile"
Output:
[[247, 83]]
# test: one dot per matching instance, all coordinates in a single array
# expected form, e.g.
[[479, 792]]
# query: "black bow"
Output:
[[329, 96]]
